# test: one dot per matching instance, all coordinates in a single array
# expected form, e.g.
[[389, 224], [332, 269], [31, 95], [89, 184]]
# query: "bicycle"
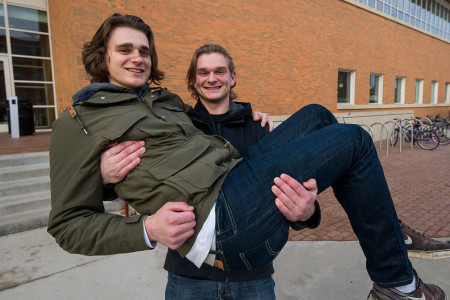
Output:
[[441, 126], [426, 139]]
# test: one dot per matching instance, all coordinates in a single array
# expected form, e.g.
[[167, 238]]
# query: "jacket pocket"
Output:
[[179, 158], [124, 123], [191, 166]]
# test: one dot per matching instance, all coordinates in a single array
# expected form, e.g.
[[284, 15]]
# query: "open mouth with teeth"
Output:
[[134, 70]]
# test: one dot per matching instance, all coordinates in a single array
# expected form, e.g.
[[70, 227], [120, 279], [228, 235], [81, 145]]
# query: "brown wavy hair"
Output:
[[207, 49], [95, 52]]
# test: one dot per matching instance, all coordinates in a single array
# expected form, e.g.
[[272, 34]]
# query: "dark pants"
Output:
[[180, 288], [311, 144]]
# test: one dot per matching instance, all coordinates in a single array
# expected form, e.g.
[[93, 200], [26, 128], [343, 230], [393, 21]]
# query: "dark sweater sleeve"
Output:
[[311, 223]]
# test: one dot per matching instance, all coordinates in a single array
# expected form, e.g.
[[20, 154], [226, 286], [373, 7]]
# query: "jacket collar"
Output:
[[87, 92]]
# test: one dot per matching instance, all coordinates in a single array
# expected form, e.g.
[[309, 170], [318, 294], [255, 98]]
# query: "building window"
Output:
[[432, 16], [346, 86], [399, 96], [447, 92], [376, 88], [434, 91], [31, 61], [418, 92]]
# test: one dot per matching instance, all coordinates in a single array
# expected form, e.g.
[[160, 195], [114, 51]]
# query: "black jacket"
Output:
[[241, 131]]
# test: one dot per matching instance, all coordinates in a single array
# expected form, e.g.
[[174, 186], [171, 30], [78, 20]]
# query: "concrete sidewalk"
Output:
[[32, 266], [325, 263]]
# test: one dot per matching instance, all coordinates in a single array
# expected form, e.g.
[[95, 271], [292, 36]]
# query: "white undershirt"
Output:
[[200, 250], [203, 243]]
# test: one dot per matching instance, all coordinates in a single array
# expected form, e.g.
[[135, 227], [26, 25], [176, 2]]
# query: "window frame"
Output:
[[434, 92], [400, 89], [418, 91], [351, 81], [379, 80]]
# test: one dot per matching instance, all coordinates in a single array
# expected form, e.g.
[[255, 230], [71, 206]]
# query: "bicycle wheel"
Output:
[[394, 137], [444, 135], [407, 133], [428, 140]]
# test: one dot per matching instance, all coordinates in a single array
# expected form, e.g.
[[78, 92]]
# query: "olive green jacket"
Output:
[[180, 164]]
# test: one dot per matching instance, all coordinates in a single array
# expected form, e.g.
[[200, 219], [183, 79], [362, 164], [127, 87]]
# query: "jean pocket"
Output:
[[266, 252]]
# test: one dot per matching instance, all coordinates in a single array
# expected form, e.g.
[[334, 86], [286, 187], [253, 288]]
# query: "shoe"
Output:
[[420, 246], [423, 291]]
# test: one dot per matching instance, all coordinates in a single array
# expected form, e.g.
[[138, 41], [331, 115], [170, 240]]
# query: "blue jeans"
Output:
[[179, 288], [311, 144]]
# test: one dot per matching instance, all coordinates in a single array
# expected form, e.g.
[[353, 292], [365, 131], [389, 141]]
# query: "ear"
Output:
[[233, 78]]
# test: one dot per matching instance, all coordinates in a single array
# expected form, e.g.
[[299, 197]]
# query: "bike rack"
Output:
[[397, 123], [381, 135], [393, 128], [412, 132], [368, 127]]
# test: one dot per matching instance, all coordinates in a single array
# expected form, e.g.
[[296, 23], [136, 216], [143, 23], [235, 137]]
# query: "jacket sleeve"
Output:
[[77, 219], [311, 223]]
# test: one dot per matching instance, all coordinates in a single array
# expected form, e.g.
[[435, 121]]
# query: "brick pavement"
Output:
[[28, 143], [419, 181]]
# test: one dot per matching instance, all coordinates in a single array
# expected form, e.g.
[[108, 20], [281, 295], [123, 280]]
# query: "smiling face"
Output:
[[213, 80], [128, 58]]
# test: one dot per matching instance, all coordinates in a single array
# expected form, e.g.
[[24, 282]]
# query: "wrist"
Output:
[[148, 240]]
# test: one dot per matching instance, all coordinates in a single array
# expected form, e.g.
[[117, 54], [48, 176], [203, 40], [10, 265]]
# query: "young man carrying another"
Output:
[[211, 78]]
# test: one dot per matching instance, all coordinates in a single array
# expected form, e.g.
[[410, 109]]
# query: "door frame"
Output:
[[8, 84]]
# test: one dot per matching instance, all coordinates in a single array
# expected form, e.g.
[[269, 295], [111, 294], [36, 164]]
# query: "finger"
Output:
[[286, 201], [130, 149], [180, 218], [284, 209], [177, 206], [311, 185], [181, 233], [119, 147], [256, 115], [180, 239], [263, 118], [290, 186], [128, 159], [128, 167], [110, 145], [271, 124]]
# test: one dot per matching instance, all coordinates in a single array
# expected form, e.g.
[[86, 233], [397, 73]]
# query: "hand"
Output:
[[119, 159], [294, 200], [264, 119], [171, 225]]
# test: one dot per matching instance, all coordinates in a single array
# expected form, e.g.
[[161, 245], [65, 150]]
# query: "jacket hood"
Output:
[[88, 91], [238, 111]]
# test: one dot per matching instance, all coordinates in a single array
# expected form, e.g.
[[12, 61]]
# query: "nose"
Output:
[[136, 57], [211, 77]]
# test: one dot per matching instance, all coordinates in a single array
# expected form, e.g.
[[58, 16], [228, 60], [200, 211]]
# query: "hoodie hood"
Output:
[[237, 112]]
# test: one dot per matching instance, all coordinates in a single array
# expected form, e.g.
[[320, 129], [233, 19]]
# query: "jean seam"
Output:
[[395, 283], [245, 261], [229, 212], [307, 131]]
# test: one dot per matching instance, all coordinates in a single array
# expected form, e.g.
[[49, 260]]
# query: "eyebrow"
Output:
[[130, 45], [216, 69]]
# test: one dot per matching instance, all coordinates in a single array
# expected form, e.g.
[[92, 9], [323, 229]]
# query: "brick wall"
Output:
[[287, 53]]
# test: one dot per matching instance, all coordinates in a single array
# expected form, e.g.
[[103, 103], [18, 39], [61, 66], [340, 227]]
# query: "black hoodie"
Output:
[[238, 127]]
